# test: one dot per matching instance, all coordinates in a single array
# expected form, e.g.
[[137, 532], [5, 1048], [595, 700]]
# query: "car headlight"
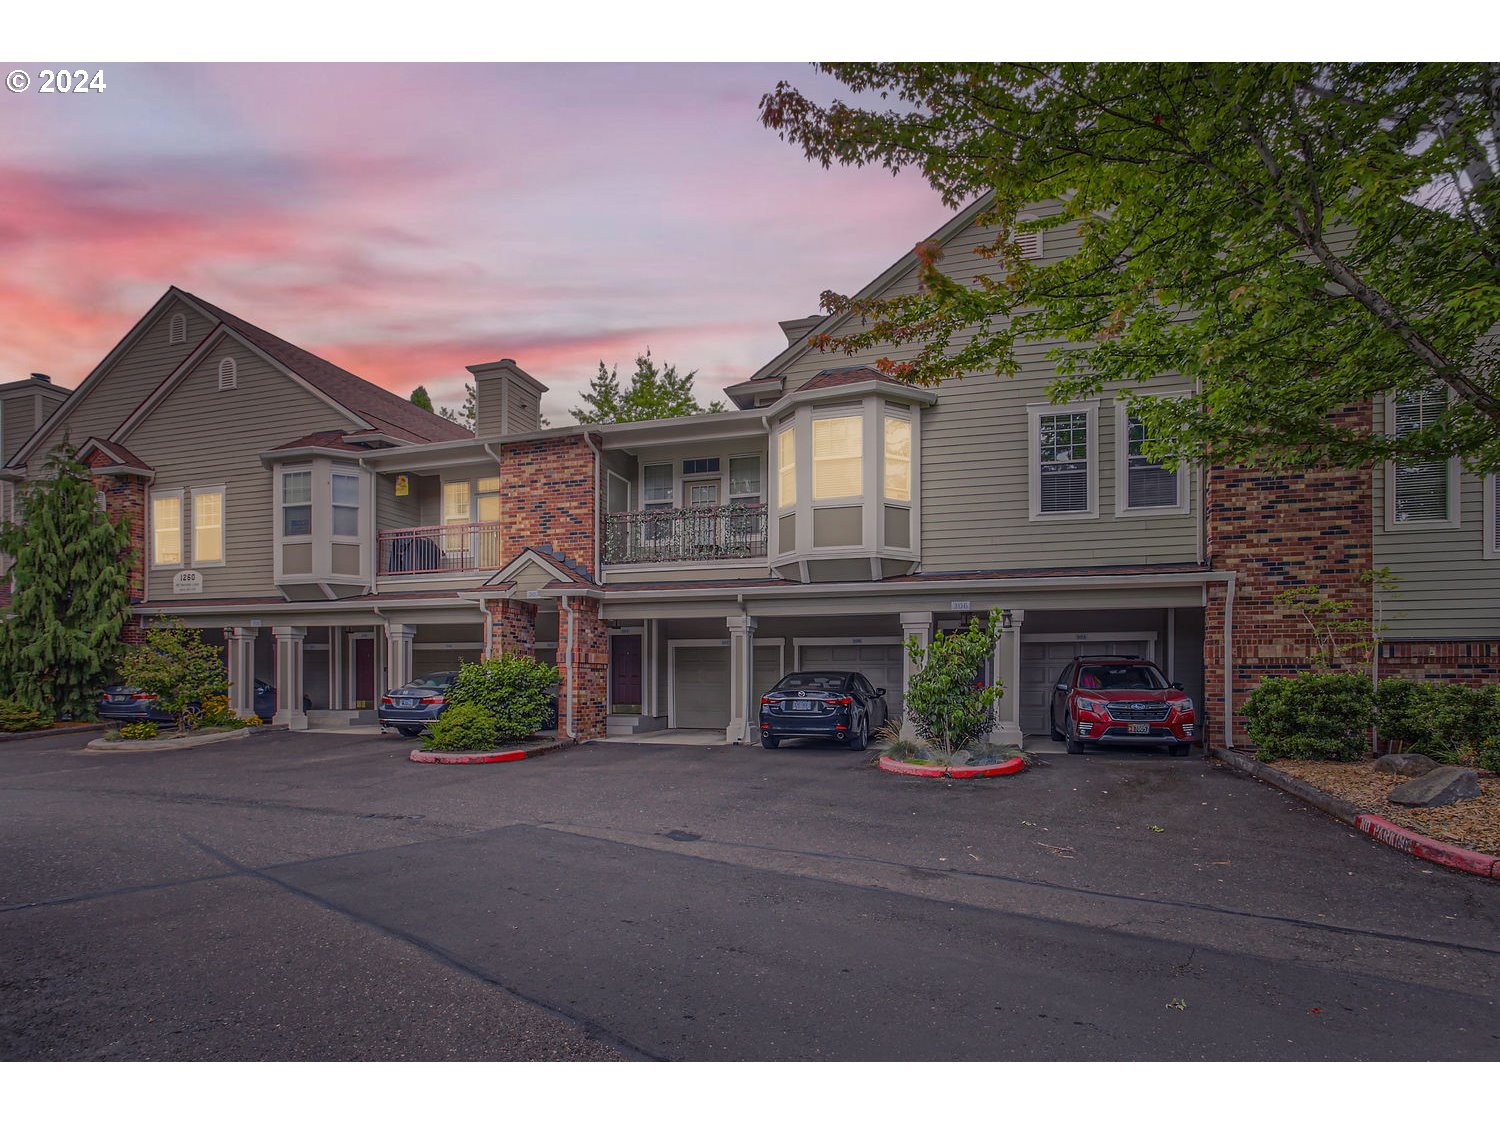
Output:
[[1182, 706]]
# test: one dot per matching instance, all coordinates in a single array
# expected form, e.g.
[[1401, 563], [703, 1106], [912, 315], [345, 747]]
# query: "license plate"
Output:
[[1140, 728], [802, 705], [118, 698], [406, 703]]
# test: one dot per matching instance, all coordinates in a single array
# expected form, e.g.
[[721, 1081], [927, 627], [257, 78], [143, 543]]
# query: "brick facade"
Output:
[[1443, 661], [125, 499], [512, 627], [583, 661], [1275, 531], [547, 499]]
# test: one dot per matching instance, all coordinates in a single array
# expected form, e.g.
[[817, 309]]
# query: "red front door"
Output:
[[364, 671], [625, 672]]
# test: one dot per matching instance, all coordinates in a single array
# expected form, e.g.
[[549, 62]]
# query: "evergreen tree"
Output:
[[653, 393], [467, 416], [71, 568], [420, 397]]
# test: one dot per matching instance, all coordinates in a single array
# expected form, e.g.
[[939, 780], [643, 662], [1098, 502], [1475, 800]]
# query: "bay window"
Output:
[[896, 474], [345, 505], [837, 457], [786, 466], [296, 503]]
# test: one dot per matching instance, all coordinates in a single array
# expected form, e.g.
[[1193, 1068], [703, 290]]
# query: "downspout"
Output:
[[572, 640], [1229, 664], [499, 536], [588, 440], [375, 547]]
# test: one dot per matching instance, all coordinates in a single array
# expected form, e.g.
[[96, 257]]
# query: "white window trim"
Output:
[[629, 490], [1035, 411], [1489, 482], [192, 531], [778, 503], [660, 505], [1455, 500], [1122, 475], [907, 415], [312, 504], [730, 495], [809, 477], [151, 499]]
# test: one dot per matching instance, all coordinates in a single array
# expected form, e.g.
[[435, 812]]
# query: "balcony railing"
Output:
[[700, 533], [440, 549]]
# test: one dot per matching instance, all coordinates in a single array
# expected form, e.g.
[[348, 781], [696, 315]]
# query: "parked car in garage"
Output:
[[124, 704], [415, 705], [842, 706], [1120, 701]]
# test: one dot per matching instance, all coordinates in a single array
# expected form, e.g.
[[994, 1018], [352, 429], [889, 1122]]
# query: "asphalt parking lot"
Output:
[[317, 896]]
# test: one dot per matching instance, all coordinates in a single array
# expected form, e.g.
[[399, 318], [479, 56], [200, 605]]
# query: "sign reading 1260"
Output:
[[187, 582]]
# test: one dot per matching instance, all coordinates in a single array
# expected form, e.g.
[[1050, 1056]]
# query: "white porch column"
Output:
[[918, 625], [241, 652], [289, 689], [743, 724], [398, 641], [1007, 730]]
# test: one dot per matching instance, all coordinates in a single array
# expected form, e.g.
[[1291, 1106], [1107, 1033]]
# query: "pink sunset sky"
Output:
[[407, 220]]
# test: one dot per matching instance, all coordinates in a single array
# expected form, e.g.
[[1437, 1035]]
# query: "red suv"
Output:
[[1120, 701]]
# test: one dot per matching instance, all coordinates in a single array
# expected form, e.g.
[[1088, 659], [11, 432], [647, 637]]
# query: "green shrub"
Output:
[[1324, 716], [463, 728], [179, 667], [1402, 711], [947, 704], [136, 731], [515, 691], [15, 717], [1462, 724]]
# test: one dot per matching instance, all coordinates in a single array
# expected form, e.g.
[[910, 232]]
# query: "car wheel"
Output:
[[409, 732], [1074, 746], [769, 742], [859, 739]]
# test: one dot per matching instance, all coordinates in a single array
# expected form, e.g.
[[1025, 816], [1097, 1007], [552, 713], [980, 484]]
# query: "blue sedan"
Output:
[[416, 705], [124, 704]]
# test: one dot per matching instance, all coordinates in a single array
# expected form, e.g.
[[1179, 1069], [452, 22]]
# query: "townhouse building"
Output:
[[339, 540]]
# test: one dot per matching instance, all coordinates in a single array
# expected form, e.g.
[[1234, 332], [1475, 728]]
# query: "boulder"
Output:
[[1407, 765], [1442, 786]]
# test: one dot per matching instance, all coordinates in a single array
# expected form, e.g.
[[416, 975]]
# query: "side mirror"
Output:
[[1176, 685], [1062, 687], [880, 691]]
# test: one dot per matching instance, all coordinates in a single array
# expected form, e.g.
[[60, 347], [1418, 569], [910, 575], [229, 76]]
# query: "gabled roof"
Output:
[[896, 270], [842, 376], [356, 442], [562, 570], [382, 410], [97, 452]]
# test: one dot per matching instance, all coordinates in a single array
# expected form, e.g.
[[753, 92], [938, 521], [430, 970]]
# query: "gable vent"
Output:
[[1029, 243], [177, 329], [228, 374]]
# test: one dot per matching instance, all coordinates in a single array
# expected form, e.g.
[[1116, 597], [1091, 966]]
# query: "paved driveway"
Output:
[[318, 896]]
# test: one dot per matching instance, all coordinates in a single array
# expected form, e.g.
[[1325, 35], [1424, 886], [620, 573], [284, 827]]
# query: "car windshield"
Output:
[[438, 680], [1129, 677], [813, 681]]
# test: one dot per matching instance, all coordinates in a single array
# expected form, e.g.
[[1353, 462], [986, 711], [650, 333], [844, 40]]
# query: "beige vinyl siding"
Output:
[[975, 458], [525, 410], [200, 436], [127, 383], [396, 511], [20, 411], [1448, 588]]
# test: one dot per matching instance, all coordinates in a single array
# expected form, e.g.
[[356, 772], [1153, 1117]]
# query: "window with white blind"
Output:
[[1064, 469], [838, 457], [296, 503], [1491, 523], [896, 469], [208, 526], [786, 467], [1420, 494], [1142, 486], [166, 528]]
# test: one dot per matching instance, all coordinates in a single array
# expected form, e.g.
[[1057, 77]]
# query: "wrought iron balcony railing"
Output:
[[710, 531], [439, 549]]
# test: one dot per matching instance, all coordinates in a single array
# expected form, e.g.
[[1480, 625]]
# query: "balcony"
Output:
[[440, 549], [705, 533]]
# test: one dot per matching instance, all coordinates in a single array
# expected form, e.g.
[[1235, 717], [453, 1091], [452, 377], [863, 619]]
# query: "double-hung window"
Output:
[[1064, 470], [1141, 484], [896, 474], [656, 496], [1420, 493], [746, 529], [345, 505], [296, 503], [166, 528], [838, 456], [786, 466], [208, 526]]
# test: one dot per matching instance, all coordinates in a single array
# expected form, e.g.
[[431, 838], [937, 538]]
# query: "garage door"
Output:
[[426, 661], [880, 664], [701, 682], [1043, 662]]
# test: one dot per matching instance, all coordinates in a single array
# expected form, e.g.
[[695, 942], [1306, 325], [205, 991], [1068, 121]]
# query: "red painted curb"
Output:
[[959, 773], [436, 758], [1424, 847]]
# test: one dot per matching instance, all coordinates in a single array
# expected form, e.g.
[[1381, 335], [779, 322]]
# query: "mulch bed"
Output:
[[1470, 824]]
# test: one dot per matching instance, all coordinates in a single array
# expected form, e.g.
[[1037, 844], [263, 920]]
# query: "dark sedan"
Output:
[[124, 704], [416, 705], [843, 706]]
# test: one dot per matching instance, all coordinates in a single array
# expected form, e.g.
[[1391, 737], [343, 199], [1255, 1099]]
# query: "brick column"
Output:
[[125, 502], [583, 662], [512, 627]]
